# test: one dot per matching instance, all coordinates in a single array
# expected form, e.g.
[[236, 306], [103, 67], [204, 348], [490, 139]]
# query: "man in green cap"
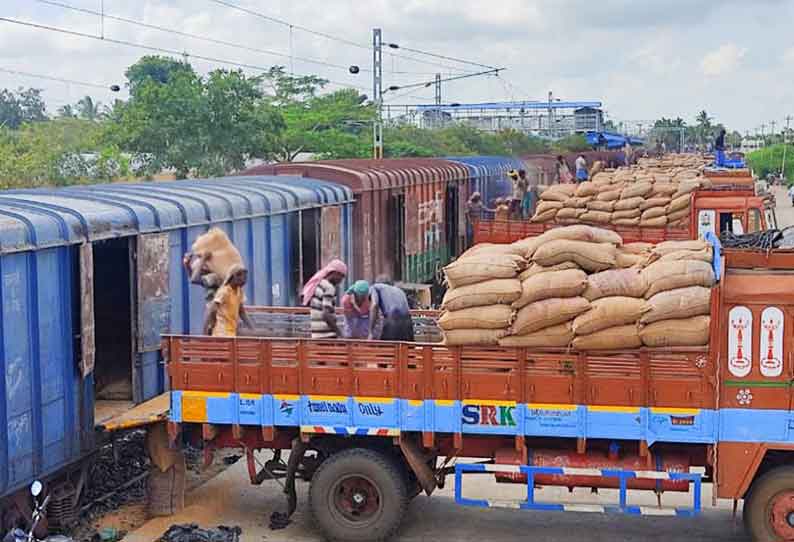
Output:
[[356, 308]]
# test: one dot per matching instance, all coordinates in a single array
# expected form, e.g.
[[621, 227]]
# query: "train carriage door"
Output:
[[451, 218], [309, 252], [397, 238], [114, 334], [153, 310], [87, 329]]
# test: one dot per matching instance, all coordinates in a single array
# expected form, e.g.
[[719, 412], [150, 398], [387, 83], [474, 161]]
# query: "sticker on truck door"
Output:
[[771, 354], [740, 340], [707, 222]]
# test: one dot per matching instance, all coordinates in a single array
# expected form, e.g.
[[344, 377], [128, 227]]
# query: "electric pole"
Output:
[[438, 89], [772, 132], [785, 133], [377, 93]]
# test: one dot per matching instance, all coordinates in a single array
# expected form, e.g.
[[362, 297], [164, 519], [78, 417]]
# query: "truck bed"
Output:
[[354, 386]]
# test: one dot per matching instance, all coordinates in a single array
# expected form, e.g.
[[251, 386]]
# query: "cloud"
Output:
[[723, 60]]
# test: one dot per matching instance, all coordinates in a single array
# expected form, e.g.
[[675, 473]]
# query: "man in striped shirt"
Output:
[[319, 294]]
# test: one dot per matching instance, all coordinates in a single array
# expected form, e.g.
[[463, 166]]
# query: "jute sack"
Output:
[[489, 292], [576, 202], [609, 195], [544, 206], [627, 259], [586, 189], [626, 204], [637, 248], [705, 255], [548, 312], [559, 336], [568, 283], [602, 178], [678, 303], [685, 332], [599, 217], [666, 247], [481, 267], [656, 222], [685, 174], [661, 201], [591, 257], [677, 215], [664, 189], [662, 178], [488, 317], [615, 282], [613, 338], [535, 269], [654, 212], [630, 213], [544, 217], [663, 276], [626, 221], [554, 195], [609, 312], [687, 187], [569, 213], [596, 205], [636, 190], [473, 337], [492, 248], [526, 247], [681, 202], [563, 188], [581, 232]]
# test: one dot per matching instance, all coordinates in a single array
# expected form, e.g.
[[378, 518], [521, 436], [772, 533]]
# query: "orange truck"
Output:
[[371, 424], [730, 204]]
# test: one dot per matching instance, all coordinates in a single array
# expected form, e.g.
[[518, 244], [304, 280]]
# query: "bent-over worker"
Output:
[[356, 307], [319, 294], [227, 307], [389, 303]]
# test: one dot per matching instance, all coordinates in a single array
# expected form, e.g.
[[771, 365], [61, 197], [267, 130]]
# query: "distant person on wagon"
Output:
[[563, 172], [227, 307], [475, 209], [356, 309], [520, 187], [389, 304], [319, 294], [530, 195], [581, 169]]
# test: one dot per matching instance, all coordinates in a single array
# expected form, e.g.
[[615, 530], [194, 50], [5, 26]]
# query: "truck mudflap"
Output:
[[623, 477]]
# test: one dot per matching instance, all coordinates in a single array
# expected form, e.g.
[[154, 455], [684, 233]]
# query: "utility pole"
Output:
[[550, 113], [772, 132], [785, 133], [377, 93], [438, 89]]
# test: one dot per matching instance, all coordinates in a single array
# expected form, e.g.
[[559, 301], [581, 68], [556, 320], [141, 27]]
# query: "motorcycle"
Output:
[[40, 508]]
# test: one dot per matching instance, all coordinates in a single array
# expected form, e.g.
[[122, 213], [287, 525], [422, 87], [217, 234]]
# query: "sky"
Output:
[[641, 59]]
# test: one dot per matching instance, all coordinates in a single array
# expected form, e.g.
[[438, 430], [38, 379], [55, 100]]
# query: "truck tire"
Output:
[[769, 507], [358, 495]]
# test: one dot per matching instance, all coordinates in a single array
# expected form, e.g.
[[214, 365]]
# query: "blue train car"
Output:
[[488, 174], [91, 276]]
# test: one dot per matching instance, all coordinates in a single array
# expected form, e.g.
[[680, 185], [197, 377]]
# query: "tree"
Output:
[[154, 68], [24, 105], [67, 112], [88, 109], [330, 124], [703, 126], [192, 124]]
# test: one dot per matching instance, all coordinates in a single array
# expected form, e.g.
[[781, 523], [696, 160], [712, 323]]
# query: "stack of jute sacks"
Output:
[[624, 197], [567, 289]]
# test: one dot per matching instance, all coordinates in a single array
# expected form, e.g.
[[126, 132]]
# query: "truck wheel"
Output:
[[769, 508], [358, 495]]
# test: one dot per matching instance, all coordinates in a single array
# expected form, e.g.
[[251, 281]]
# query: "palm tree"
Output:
[[704, 125], [88, 108], [67, 111]]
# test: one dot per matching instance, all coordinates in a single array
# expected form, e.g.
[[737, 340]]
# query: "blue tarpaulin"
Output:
[[611, 140]]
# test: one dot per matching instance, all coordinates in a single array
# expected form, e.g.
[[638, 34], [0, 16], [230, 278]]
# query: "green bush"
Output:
[[770, 159]]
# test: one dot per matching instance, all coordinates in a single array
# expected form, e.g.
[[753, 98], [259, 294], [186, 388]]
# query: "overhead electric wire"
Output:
[[158, 49], [191, 36], [455, 78], [54, 78], [325, 35], [442, 57]]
